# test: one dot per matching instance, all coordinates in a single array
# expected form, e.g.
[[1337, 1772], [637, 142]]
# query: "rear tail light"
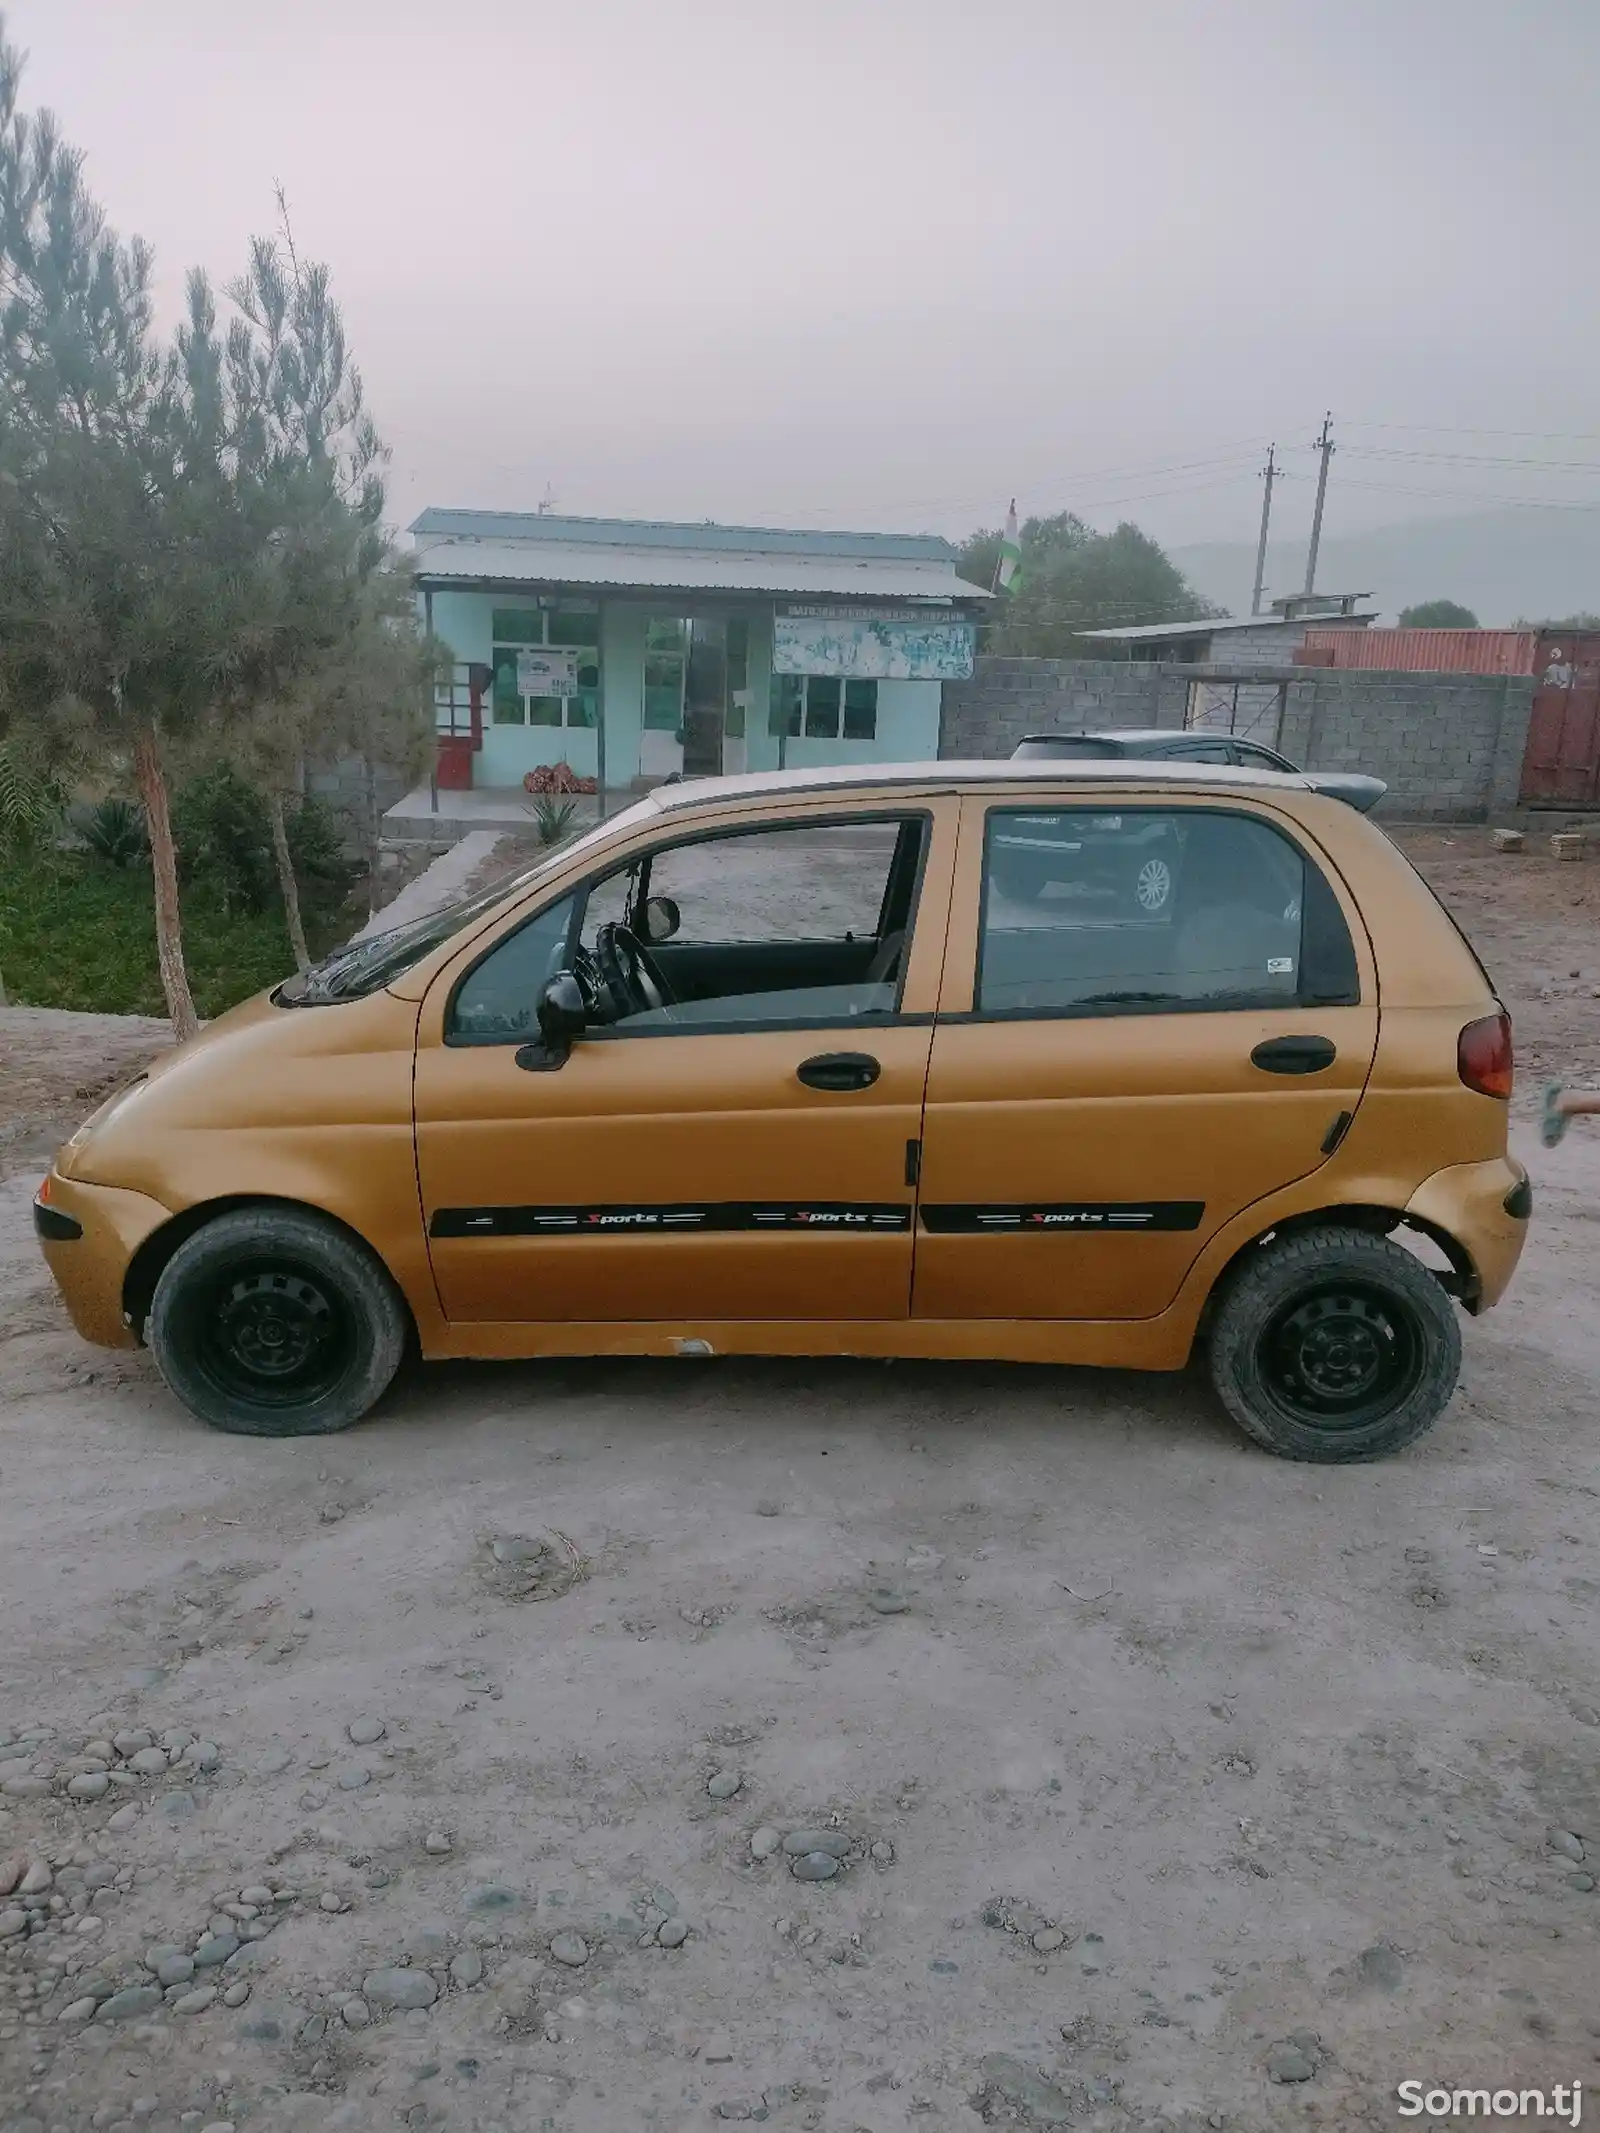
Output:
[[1483, 1055]]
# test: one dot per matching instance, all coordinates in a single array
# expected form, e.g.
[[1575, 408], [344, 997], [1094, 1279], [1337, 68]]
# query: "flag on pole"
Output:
[[1008, 571]]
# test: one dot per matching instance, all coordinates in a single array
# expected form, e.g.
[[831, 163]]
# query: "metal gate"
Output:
[[1561, 765], [1252, 709]]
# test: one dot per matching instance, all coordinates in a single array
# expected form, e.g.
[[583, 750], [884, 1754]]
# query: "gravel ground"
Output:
[[591, 1746]]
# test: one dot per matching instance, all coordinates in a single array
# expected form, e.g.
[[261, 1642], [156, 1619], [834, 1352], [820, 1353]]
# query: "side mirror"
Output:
[[660, 919], [562, 1019]]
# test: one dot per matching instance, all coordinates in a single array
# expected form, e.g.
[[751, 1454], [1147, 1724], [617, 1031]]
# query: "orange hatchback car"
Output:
[[906, 1061]]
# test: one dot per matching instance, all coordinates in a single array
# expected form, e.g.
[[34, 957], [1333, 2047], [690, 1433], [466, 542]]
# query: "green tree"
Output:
[[1438, 615], [313, 460], [1075, 579], [335, 613], [122, 553], [373, 701]]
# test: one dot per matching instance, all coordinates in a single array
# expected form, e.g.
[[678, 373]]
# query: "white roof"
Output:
[[954, 776], [514, 563], [1143, 632]]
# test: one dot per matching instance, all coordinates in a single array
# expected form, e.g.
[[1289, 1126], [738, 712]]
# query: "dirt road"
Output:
[[1158, 1768]]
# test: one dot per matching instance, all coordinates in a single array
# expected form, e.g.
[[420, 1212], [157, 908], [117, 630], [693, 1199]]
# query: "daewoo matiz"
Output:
[[774, 1065]]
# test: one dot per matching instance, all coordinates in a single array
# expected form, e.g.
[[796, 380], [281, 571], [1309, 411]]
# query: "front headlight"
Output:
[[102, 1112]]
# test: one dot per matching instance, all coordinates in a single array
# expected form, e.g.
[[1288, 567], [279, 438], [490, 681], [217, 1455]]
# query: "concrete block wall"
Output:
[[1449, 746], [1007, 698], [341, 785]]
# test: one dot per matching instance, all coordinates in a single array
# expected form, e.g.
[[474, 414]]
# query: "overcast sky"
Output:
[[884, 262]]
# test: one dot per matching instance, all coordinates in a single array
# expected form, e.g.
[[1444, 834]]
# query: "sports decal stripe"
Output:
[[851, 1216], [1101, 1215]]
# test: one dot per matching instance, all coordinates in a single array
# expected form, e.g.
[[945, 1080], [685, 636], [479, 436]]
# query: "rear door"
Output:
[[1108, 1087]]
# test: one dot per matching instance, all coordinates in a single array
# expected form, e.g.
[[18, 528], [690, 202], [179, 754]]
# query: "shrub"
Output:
[[552, 819], [77, 933], [224, 838], [114, 831]]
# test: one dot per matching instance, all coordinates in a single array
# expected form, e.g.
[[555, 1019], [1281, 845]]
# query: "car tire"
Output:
[[1151, 884], [1334, 1344], [270, 1322]]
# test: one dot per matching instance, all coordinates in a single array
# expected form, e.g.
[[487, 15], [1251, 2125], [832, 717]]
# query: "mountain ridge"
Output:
[[1507, 565]]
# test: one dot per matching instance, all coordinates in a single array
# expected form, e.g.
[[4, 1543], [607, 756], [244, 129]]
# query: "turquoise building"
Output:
[[633, 650]]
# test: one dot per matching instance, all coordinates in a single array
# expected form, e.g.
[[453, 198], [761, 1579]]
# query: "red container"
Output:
[[1428, 651], [455, 762]]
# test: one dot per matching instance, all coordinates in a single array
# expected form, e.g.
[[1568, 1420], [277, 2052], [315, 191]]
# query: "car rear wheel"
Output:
[[1152, 884], [1333, 1344], [272, 1323]]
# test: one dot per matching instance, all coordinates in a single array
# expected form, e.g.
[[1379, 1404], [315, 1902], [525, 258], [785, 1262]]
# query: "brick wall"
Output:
[[1449, 746]]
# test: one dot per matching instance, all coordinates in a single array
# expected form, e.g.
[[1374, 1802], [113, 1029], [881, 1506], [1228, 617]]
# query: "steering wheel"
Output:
[[630, 975]]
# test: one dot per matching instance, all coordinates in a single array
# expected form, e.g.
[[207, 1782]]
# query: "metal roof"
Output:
[[705, 538], [1150, 632], [876, 576], [953, 776]]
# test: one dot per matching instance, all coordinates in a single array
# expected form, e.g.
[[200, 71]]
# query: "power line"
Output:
[[1468, 496], [1440, 429], [1475, 459]]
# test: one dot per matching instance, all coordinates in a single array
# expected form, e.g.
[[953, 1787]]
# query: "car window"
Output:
[[1042, 747], [367, 965], [1145, 909], [1202, 752], [497, 1001], [1254, 757], [791, 923]]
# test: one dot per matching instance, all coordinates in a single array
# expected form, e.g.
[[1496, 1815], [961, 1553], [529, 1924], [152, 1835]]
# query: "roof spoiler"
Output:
[[1355, 788]]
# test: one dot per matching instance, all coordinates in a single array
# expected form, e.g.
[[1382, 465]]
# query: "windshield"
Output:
[[366, 965]]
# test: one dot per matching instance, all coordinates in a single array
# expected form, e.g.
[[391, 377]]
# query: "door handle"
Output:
[[1295, 1055], [839, 1071]]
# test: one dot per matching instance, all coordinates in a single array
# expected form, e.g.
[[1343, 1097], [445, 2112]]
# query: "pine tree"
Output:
[[332, 600], [120, 541]]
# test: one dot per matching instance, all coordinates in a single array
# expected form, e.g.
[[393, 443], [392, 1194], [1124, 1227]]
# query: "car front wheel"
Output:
[[1333, 1344], [270, 1322]]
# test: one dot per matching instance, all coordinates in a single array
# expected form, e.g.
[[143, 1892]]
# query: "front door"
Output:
[[705, 699], [1113, 1077], [742, 1152], [662, 706]]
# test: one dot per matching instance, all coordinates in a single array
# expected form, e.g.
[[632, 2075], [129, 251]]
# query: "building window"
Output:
[[518, 629], [823, 707]]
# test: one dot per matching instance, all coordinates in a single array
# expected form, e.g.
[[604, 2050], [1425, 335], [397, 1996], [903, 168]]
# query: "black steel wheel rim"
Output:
[[275, 1333], [1342, 1355]]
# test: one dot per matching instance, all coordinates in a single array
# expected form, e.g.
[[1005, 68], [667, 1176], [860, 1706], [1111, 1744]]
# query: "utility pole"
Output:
[[1325, 446], [1269, 474]]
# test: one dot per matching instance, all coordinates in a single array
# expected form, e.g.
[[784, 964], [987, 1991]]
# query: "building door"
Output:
[[740, 1153], [705, 698], [1110, 1086], [666, 671], [1561, 764]]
